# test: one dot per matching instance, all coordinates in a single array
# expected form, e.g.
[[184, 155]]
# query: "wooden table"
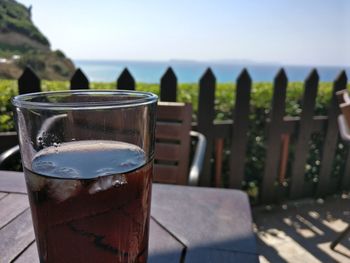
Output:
[[189, 224]]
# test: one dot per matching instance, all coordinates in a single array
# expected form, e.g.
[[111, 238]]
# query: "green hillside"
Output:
[[22, 44], [16, 17]]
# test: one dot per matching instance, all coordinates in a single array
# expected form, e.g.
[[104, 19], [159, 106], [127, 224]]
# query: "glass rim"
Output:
[[132, 99]]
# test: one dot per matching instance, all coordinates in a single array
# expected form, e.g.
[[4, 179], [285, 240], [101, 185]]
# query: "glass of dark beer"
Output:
[[88, 160]]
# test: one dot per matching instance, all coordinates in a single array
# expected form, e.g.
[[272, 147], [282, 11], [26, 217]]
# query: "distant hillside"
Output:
[[22, 43]]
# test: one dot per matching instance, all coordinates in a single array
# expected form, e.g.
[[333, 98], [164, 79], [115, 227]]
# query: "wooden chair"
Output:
[[173, 145], [172, 151], [344, 131]]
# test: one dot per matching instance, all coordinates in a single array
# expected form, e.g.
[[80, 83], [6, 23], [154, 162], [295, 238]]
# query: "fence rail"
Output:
[[280, 129]]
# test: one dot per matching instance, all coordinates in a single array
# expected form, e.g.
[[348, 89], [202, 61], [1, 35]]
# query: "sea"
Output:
[[191, 71]]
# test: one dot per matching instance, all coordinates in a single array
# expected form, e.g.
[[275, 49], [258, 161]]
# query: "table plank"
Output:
[[12, 182], [222, 256], [11, 206], [205, 217], [16, 236], [211, 223], [162, 248], [2, 195], [29, 255]]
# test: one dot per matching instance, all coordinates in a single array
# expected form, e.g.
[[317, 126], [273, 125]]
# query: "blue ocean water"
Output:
[[190, 72]]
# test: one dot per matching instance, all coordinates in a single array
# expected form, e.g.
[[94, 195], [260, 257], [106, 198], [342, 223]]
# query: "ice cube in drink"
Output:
[[90, 202]]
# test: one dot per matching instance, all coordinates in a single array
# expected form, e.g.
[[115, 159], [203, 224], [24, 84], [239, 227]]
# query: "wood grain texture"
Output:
[[167, 152], [205, 217], [173, 142], [206, 115], [165, 173], [299, 187], [222, 256], [326, 185], [16, 236], [30, 255], [239, 134], [162, 246], [275, 127], [11, 206], [216, 220], [12, 182], [8, 140]]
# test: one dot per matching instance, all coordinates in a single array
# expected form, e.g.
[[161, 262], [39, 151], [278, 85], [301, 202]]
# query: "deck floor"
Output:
[[302, 231]]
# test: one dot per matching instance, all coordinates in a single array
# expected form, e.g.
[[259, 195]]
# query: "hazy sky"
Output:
[[307, 32]]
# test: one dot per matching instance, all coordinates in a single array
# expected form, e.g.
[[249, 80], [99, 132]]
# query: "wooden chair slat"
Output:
[[165, 173], [167, 152], [174, 125]]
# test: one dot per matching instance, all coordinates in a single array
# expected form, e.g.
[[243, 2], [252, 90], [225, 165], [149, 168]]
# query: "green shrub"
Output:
[[224, 103]]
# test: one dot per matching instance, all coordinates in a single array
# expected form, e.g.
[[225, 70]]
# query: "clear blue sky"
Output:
[[306, 32]]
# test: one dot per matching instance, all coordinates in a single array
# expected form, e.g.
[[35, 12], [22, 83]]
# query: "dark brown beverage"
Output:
[[90, 202]]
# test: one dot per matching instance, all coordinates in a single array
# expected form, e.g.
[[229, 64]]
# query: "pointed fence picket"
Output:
[[282, 132]]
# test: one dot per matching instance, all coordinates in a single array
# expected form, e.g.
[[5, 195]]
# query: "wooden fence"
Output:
[[280, 129]]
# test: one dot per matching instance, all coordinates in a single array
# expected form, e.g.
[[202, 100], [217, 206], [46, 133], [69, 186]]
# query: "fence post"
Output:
[[28, 82], [239, 131], [126, 81], [206, 114], [79, 80], [325, 186], [297, 188], [274, 132], [168, 85]]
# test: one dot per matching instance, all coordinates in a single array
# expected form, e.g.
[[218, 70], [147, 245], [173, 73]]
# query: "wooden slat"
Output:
[[297, 189], [28, 82], [222, 256], [11, 206], [162, 246], [169, 131], [165, 173], [29, 255], [345, 181], [239, 132], [16, 236], [207, 218], [172, 111], [330, 143], [8, 139], [79, 80], [2, 195], [167, 152], [126, 81], [168, 86], [273, 145], [12, 182], [206, 115]]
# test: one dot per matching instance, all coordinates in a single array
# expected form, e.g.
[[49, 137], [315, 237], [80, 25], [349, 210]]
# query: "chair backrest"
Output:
[[172, 151], [344, 104]]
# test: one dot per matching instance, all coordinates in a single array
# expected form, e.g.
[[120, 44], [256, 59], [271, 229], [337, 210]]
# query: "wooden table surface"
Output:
[[188, 224]]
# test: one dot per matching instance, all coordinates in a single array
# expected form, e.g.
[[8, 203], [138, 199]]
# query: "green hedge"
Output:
[[225, 96]]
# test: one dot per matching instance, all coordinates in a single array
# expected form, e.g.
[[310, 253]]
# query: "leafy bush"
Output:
[[224, 103]]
